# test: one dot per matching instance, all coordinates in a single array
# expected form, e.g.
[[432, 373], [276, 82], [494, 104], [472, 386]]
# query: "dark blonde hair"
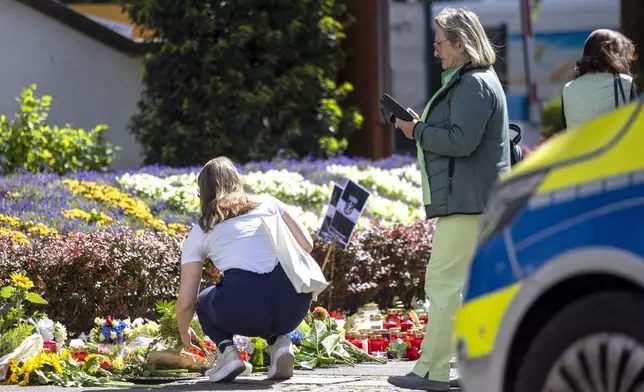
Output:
[[463, 25], [221, 193], [606, 51]]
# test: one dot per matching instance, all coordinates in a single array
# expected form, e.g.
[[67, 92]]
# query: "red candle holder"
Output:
[[356, 342], [394, 315], [50, 346], [407, 325], [376, 344], [389, 324]]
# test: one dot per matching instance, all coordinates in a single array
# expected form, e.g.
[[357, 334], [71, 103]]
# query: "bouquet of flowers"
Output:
[[110, 331], [244, 346]]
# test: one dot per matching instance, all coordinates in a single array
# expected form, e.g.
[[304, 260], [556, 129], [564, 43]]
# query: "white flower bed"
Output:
[[396, 195]]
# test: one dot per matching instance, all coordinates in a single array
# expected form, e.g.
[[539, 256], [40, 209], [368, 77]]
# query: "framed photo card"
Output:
[[325, 231], [347, 212]]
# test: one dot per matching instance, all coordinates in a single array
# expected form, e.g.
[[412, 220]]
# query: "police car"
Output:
[[555, 293]]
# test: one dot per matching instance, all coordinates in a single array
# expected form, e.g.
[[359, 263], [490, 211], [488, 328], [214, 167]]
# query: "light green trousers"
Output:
[[452, 249]]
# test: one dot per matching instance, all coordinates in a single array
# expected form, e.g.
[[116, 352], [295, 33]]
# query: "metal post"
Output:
[[529, 62], [429, 49]]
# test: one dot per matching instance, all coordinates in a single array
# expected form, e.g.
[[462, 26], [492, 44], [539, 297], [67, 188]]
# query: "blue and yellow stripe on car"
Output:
[[601, 149], [488, 311]]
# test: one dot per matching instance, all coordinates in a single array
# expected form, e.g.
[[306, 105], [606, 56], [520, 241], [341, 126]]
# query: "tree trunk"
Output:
[[632, 22]]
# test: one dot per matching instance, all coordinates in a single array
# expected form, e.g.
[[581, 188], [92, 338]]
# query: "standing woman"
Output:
[[463, 149], [603, 80]]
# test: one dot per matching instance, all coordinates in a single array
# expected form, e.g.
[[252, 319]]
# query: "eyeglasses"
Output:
[[438, 43]]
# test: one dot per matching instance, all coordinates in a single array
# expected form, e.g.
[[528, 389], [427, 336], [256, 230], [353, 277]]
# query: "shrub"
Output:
[[379, 265], [28, 143], [86, 276], [251, 80]]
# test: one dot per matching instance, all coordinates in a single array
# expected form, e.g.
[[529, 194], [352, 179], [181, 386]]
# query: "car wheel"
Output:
[[594, 344]]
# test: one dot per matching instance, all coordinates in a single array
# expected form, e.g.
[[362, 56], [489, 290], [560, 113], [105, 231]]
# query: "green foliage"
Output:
[[12, 310], [13, 326], [260, 357], [12, 338], [250, 80], [28, 143], [323, 346], [169, 326], [551, 122]]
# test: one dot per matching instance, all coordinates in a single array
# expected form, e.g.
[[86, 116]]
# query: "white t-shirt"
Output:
[[240, 242]]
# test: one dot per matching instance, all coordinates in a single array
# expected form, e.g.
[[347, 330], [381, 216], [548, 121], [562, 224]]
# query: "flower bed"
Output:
[[164, 199], [124, 230]]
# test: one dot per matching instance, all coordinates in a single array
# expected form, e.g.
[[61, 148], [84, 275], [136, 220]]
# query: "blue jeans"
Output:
[[249, 304]]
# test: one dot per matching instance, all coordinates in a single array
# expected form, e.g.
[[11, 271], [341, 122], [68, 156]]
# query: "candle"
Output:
[[406, 325]]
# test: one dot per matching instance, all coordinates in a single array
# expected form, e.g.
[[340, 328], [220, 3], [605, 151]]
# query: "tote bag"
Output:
[[300, 268]]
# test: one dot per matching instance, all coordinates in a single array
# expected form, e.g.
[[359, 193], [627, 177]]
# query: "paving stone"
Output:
[[361, 378], [319, 380]]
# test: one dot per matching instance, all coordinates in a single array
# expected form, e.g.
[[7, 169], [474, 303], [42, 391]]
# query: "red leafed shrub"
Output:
[[380, 264], [124, 274], [88, 275]]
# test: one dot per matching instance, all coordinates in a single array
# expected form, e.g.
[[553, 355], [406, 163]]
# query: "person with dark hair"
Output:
[[603, 80], [255, 297]]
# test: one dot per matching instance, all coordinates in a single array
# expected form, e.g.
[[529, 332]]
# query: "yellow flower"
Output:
[[13, 369], [54, 361], [115, 198], [117, 363], [10, 221], [31, 365], [65, 354], [76, 213], [16, 236], [29, 226], [21, 281], [41, 230], [92, 216], [175, 228]]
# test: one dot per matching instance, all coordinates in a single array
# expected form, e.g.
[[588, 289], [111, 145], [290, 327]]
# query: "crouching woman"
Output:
[[255, 297]]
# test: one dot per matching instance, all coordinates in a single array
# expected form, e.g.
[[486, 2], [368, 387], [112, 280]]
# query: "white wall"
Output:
[[407, 54], [90, 82]]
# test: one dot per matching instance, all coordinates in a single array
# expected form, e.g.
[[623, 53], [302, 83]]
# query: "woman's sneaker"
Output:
[[282, 359], [228, 365]]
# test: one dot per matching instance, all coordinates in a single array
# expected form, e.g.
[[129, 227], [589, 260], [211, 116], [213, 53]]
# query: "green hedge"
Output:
[[248, 79]]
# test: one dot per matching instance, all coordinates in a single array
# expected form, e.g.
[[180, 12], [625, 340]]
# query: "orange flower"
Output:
[[320, 313]]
